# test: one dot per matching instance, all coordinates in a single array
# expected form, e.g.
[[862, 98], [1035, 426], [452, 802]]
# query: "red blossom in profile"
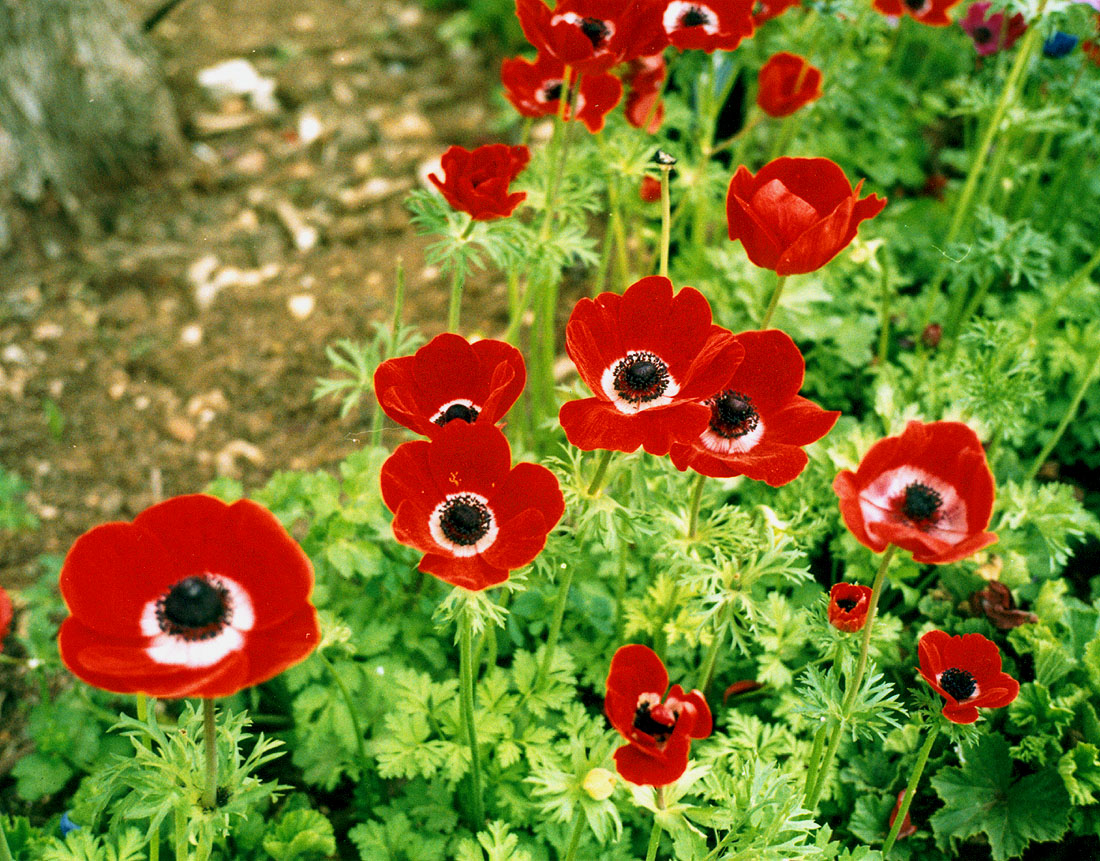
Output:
[[658, 733], [645, 77], [928, 491], [848, 605], [591, 36], [651, 359], [710, 25], [966, 671], [6, 613], [786, 83], [650, 189], [459, 500], [758, 422], [930, 12], [996, 603], [535, 90], [765, 10], [908, 829], [449, 378], [989, 32], [477, 181], [195, 598], [796, 214]]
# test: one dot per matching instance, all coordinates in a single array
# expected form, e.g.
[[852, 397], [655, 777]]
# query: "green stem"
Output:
[[601, 473], [1075, 281], [884, 325], [466, 683], [180, 815], [1037, 164], [696, 498], [1070, 414], [780, 281], [654, 841], [353, 712], [815, 757], [706, 672], [666, 218], [575, 838], [555, 627], [454, 309], [910, 790], [851, 689], [5, 851], [210, 746]]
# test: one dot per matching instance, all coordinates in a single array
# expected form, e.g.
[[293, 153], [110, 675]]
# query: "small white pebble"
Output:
[[301, 306], [191, 334]]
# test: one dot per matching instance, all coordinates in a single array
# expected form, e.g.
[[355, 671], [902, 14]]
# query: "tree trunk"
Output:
[[83, 102]]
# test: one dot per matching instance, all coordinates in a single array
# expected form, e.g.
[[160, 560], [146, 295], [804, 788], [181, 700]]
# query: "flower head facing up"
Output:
[[194, 598], [712, 25], [448, 380], [658, 729], [758, 423], [535, 89], [459, 501], [848, 606], [787, 82], [966, 672], [990, 32], [796, 214], [930, 12], [929, 491], [591, 36], [6, 613], [476, 182], [651, 359]]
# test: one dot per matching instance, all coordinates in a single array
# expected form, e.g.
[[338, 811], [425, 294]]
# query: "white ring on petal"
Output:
[[462, 550], [577, 20], [678, 8], [178, 651], [737, 445], [442, 411], [607, 383], [880, 502], [545, 86]]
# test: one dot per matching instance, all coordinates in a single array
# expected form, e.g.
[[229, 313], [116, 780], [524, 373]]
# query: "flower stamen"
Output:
[[645, 721], [732, 414], [922, 503], [640, 378], [958, 683], [465, 520], [195, 608]]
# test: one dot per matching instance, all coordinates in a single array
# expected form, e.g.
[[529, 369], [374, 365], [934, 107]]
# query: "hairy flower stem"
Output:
[[851, 688], [1070, 414], [143, 716], [706, 672], [458, 282], [666, 218], [353, 712], [696, 499], [654, 841], [815, 755], [555, 627], [466, 684], [210, 746], [596, 485], [780, 281], [575, 838], [910, 789], [180, 816]]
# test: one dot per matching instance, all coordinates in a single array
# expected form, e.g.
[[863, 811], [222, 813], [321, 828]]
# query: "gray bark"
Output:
[[83, 102]]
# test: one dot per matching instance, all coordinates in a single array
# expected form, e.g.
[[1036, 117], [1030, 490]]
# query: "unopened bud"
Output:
[[931, 335], [600, 783]]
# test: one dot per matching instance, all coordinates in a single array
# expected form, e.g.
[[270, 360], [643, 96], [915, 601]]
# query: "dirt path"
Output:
[[185, 343]]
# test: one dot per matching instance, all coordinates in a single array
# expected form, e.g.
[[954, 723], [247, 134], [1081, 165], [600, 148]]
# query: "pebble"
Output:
[[47, 331], [408, 126], [191, 334], [301, 305], [182, 429], [14, 354]]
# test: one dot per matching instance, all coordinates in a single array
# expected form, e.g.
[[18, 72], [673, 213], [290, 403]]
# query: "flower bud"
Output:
[[599, 783]]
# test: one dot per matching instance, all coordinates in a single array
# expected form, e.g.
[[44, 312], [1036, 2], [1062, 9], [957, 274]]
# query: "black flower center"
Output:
[[959, 683], [648, 724], [846, 604], [921, 502], [596, 30], [982, 34], [465, 520], [915, 5], [195, 609], [467, 413], [552, 91], [694, 17], [732, 414], [640, 378]]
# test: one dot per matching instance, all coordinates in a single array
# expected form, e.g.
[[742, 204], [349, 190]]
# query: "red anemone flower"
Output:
[[758, 423], [195, 598], [477, 181], [796, 214], [786, 83], [765, 10], [449, 378], [930, 12], [848, 605], [651, 359], [6, 613], [644, 78], [710, 25], [591, 36], [658, 733], [459, 500], [908, 829], [966, 671], [989, 32], [929, 491], [535, 90], [650, 189]]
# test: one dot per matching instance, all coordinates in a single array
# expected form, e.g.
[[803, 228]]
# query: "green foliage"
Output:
[[300, 834], [14, 514]]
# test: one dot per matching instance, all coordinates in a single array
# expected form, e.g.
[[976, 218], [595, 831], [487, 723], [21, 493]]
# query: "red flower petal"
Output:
[[972, 656], [5, 614], [635, 670], [477, 182], [787, 82], [848, 606]]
